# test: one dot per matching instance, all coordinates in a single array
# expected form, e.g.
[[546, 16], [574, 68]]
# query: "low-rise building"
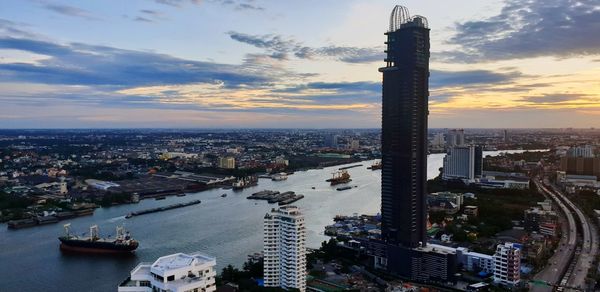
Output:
[[541, 219], [177, 273], [507, 264], [472, 211]]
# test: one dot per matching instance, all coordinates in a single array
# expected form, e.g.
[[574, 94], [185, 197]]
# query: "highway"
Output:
[[589, 246], [559, 263]]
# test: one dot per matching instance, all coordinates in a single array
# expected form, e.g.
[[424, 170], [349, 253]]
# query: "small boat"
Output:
[[279, 177], [181, 195], [223, 195], [160, 198], [344, 188]]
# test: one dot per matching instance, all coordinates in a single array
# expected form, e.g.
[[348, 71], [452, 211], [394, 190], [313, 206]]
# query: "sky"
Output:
[[291, 64]]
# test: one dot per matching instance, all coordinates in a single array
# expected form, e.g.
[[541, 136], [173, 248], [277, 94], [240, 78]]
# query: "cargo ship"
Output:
[[375, 166], [245, 182], [339, 177], [122, 243]]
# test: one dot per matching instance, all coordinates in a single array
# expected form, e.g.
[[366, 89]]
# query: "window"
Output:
[[171, 278]]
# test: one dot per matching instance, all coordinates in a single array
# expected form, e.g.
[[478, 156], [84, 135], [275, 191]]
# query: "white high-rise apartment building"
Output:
[[284, 248], [464, 162], [507, 264], [176, 273]]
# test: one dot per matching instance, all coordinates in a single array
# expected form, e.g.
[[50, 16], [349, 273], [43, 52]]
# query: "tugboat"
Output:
[[339, 177], [122, 243], [279, 176], [375, 166]]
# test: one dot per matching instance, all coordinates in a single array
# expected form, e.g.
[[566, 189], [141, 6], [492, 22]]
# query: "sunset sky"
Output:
[[291, 64]]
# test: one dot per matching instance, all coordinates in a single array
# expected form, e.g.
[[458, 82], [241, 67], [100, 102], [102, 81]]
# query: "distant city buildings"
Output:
[[354, 144], [586, 151], [284, 249], [331, 141], [227, 162], [176, 273], [455, 137], [581, 165], [463, 162], [438, 142]]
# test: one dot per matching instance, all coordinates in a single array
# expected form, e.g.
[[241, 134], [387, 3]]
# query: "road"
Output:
[[559, 262], [589, 247]]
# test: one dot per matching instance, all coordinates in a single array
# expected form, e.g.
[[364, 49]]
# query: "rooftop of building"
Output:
[[180, 260], [437, 248]]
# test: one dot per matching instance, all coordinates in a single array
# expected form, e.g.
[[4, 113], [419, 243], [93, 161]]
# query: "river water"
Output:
[[228, 228]]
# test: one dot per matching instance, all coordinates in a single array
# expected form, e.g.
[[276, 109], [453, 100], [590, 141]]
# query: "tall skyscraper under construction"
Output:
[[403, 248], [404, 130]]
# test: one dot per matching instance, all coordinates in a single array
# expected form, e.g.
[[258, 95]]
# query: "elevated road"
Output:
[[589, 244], [558, 265]]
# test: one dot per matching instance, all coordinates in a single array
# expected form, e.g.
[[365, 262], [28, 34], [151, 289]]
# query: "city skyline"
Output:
[[163, 64]]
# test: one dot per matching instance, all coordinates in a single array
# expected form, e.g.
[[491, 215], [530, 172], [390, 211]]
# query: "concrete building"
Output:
[[541, 220], [445, 201], [586, 151], [227, 162], [455, 137], [175, 273], [463, 162], [284, 248], [331, 141], [507, 264], [580, 165], [438, 141], [403, 249], [474, 261], [404, 130], [354, 144], [472, 211]]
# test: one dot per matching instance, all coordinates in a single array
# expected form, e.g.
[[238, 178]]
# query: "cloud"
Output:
[[236, 4], [246, 6], [177, 3], [70, 11], [281, 47], [81, 64], [525, 29], [142, 19], [558, 98], [12, 28], [440, 79]]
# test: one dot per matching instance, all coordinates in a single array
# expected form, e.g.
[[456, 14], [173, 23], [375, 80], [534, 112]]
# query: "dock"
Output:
[[161, 209], [273, 197]]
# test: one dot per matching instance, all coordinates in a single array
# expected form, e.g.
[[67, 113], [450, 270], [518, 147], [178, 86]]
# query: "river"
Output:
[[228, 228]]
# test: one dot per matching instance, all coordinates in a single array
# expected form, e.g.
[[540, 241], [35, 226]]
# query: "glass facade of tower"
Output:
[[404, 133]]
